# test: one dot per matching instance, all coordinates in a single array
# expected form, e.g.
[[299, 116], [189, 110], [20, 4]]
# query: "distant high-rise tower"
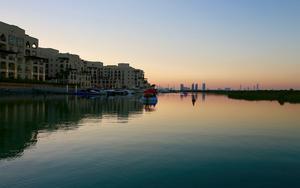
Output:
[[193, 87], [257, 87], [196, 87], [203, 86]]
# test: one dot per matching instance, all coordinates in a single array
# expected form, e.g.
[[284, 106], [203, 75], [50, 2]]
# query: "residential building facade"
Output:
[[18, 55], [123, 76], [22, 58]]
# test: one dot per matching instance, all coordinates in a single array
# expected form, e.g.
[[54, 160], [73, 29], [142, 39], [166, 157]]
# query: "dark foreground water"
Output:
[[118, 142]]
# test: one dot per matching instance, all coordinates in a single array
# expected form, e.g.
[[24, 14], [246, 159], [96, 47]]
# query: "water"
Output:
[[63, 141]]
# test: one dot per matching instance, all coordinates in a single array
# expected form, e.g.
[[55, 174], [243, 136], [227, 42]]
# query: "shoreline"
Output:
[[19, 89], [281, 96]]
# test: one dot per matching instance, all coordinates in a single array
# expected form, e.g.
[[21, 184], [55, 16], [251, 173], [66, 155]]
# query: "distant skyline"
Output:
[[222, 43]]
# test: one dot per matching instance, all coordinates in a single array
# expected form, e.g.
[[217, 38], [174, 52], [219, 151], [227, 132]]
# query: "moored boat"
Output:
[[90, 92], [150, 97], [149, 100]]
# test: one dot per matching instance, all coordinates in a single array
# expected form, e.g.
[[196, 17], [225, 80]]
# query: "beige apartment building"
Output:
[[95, 69], [65, 68], [50, 55], [22, 58], [18, 55], [123, 76]]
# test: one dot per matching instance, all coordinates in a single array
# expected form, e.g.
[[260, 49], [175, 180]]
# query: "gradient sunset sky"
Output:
[[222, 42]]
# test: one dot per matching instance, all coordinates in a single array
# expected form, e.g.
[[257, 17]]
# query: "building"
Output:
[[18, 55], [196, 87], [95, 69], [22, 58], [66, 68], [123, 76], [51, 67], [181, 87]]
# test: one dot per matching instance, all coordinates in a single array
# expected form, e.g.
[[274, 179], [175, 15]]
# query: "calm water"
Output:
[[117, 142]]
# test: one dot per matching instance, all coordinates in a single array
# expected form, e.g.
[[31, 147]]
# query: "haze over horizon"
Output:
[[224, 43]]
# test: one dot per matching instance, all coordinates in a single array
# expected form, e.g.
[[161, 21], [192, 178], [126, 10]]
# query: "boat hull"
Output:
[[149, 100]]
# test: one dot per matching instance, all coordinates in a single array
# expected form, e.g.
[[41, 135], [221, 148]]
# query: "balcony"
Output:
[[11, 75], [11, 58], [11, 66], [3, 47], [27, 52], [3, 56], [41, 71], [3, 65], [19, 69], [3, 75], [2, 42], [35, 70]]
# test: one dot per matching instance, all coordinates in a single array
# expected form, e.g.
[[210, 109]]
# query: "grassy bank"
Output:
[[282, 96]]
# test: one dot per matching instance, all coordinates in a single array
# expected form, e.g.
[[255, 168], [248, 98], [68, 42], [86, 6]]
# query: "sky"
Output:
[[224, 43]]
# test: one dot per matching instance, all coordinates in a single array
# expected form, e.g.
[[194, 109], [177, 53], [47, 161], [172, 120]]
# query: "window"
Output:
[[3, 65], [11, 39], [20, 42], [27, 44], [27, 52], [34, 46], [3, 38], [11, 66], [11, 75]]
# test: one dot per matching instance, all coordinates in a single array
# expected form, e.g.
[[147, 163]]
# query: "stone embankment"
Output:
[[30, 88]]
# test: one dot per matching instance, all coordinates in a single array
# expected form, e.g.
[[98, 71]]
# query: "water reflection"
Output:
[[223, 139], [203, 96], [194, 98], [149, 108], [21, 119]]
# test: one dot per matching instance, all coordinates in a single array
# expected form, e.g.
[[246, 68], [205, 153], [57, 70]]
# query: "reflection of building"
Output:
[[18, 55], [22, 118]]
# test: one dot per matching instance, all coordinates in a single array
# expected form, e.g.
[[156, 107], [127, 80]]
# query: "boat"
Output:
[[123, 92], [149, 97], [113, 92], [149, 100], [90, 92]]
